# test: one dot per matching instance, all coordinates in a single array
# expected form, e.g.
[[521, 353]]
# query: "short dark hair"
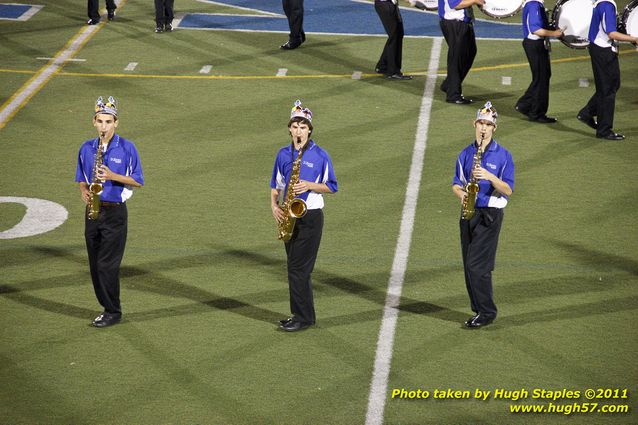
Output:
[[300, 120]]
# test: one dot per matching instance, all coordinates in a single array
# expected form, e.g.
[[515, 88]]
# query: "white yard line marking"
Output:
[[42, 77], [131, 66], [356, 75], [39, 80], [385, 343], [68, 60], [282, 72]]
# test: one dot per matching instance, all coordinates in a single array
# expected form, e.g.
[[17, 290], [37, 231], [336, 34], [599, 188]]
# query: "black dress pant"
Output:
[[93, 7], [535, 102], [606, 69], [302, 252], [294, 12], [479, 239], [391, 57], [164, 11], [105, 241], [461, 43]]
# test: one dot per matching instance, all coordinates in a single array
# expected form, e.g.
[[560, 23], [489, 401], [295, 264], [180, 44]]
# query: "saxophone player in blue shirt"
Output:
[[315, 177], [116, 173], [494, 173]]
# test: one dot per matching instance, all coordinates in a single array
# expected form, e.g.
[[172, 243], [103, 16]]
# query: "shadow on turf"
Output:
[[360, 289]]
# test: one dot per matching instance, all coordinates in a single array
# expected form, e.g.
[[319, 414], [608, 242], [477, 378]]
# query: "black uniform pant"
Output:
[[391, 57], [93, 7], [294, 12], [606, 69], [461, 43], [479, 239], [535, 102], [105, 241], [164, 11], [302, 252]]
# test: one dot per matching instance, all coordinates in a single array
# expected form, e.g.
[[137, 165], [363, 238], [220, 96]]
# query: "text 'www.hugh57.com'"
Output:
[[536, 400]]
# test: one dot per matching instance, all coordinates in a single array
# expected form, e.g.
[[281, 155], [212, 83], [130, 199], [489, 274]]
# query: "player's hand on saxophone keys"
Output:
[[277, 212]]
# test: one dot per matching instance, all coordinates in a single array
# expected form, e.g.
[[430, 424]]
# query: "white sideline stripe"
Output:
[[131, 66], [282, 72], [262, 12], [385, 343], [44, 75], [206, 69], [68, 60]]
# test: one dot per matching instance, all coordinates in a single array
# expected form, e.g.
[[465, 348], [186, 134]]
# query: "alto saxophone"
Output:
[[472, 187], [292, 207], [96, 186]]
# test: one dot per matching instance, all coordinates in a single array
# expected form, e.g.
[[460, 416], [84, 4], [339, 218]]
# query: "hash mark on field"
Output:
[[506, 81], [356, 75], [282, 72], [131, 66], [206, 69]]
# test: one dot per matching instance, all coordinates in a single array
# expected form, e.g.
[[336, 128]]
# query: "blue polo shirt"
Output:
[[316, 166], [121, 157], [447, 11], [534, 19], [603, 21], [498, 161]]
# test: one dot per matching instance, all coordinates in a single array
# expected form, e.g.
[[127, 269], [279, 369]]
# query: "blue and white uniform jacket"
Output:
[[316, 166], [121, 157], [498, 161]]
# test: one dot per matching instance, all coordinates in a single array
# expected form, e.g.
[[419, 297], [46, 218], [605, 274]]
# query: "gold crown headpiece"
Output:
[[110, 107], [299, 111], [487, 113]]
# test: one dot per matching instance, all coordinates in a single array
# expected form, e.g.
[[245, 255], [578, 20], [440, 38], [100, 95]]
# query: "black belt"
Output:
[[105, 204]]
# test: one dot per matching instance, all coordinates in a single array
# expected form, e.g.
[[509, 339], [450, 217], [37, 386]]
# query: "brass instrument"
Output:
[[292, 207], [472, 187], [96, 186]]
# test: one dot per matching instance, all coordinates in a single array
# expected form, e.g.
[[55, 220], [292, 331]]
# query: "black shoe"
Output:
[[612, 136], [111, 15], [285, 321], [479, 321], [106, 319], [159, 28], [294, 326], [461, 101], [93, 21], [168, 28], [587, 120], [468, 321], [289, 46], [398, 76], [544, 119], [521, 110]]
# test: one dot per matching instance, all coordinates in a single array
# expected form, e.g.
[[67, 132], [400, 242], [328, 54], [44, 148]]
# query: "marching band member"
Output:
[[603, 51], [457, 25], [535, 102], [389, 63], [490, 165], [314, 176], [117, 168]]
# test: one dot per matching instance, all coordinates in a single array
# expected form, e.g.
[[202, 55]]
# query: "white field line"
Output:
[[385, 343]]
